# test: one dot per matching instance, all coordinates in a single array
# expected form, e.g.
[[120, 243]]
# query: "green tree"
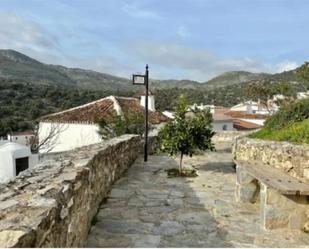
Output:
[[303, 71], [116, 125], [264, 91], [185, 135]]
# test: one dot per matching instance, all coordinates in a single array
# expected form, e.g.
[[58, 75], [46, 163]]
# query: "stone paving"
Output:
[[147, 209]]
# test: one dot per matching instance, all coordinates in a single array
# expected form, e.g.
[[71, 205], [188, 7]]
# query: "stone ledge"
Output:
[[53, 204], [290, 158]]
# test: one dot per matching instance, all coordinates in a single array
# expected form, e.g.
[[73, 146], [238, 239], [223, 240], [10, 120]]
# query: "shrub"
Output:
[[296, 133], [288, 114], [117, 125]]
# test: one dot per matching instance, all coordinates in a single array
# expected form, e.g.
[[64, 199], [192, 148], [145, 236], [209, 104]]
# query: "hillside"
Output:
[[30, 89], [235, 77], [17, 66]]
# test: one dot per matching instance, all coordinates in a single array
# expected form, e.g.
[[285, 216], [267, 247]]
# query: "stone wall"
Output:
[[292, 159], [53, 204], [228, 136]]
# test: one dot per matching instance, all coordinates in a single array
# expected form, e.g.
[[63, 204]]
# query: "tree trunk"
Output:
[[180, 163]]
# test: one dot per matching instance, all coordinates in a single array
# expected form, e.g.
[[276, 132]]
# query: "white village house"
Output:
[[77, 126], [15, 158], [23, 138]]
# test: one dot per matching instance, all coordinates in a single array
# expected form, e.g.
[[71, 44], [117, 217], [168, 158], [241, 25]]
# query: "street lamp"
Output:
[[139, 79]]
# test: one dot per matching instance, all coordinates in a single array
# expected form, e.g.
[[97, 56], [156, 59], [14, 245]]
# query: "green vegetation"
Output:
[[295, 133], [117, 125], [185, 135], [288, 114], [30, 89], [21, 103], [290, 123]]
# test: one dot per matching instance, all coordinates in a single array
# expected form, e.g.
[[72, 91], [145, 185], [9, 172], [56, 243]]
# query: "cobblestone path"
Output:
[[147, 209]]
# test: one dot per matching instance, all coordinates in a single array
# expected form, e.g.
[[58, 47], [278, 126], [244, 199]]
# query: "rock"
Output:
[[7, 204], [10, 238]]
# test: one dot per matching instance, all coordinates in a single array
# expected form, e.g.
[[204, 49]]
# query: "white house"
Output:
[[151, 101], [23, 138], [221, 121], [15, 158], [78, 127]]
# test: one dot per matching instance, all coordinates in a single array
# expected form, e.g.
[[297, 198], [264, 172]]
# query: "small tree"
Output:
[[264, 91], [116, 125], [185, 135]]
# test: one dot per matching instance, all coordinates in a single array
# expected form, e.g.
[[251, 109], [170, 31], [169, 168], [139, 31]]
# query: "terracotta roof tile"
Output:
[[244, 125], [127, 105], [101, 109], [242, 114], [85, 113]]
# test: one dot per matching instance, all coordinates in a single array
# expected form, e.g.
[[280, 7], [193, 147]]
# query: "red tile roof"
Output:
[[101, 109], [242, 114], [244, 125], [130, 104]]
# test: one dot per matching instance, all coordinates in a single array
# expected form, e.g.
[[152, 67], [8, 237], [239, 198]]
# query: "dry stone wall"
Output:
[[292, 159], [53, 204], [228, 136]]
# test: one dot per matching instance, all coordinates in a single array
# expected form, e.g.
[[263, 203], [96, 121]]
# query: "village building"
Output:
[[221, 121], [78, 126], [15, 158], [23, 138], [255, 107], [151, 101]]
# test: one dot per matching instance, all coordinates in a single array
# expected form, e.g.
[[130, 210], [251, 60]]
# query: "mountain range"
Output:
[[17, 66]]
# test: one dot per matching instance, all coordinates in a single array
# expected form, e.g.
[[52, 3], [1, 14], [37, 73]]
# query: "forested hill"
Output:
[[17, 66], [22, 102], [30, 89]]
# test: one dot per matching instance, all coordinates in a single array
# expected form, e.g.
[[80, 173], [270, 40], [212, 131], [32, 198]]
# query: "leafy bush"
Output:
[[288, 114], [296, 133], [117, 125]]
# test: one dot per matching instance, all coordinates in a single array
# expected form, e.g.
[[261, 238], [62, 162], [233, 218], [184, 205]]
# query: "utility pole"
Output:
[[139, 79], [146, 114]]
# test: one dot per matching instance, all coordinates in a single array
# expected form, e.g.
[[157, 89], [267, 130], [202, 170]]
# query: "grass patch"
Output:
[[297, 132]]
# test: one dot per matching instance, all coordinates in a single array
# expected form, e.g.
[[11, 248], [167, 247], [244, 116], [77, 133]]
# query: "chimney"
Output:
[[151, 101]]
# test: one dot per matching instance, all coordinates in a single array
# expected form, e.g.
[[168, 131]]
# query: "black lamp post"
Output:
[[139, 79]]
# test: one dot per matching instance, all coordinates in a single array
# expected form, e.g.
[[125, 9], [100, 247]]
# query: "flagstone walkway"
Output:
[[147, 209]]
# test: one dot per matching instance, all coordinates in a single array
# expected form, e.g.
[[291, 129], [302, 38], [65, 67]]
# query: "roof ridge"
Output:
[[78, 107]]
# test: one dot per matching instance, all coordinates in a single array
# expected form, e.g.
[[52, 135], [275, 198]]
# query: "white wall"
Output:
[[70, 136], [9, 152], [21, 139], [151, 102], [218, 125]]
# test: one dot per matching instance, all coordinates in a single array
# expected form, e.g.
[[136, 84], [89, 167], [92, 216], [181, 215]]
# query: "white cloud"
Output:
[[183, 32], [286, 66], [166, 60], [198, 63], [136, 11], [17, 32]]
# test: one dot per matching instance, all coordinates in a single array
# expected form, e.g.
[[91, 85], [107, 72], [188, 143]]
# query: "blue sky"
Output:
[[182, 39]]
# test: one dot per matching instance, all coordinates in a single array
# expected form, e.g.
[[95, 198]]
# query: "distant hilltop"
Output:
[[15, 65]]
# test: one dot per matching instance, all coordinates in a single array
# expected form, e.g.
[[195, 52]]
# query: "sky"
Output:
[[179, 39]]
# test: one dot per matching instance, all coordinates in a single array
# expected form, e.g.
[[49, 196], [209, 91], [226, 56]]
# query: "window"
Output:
[[21, 164], [16, 138], [224, 127]]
